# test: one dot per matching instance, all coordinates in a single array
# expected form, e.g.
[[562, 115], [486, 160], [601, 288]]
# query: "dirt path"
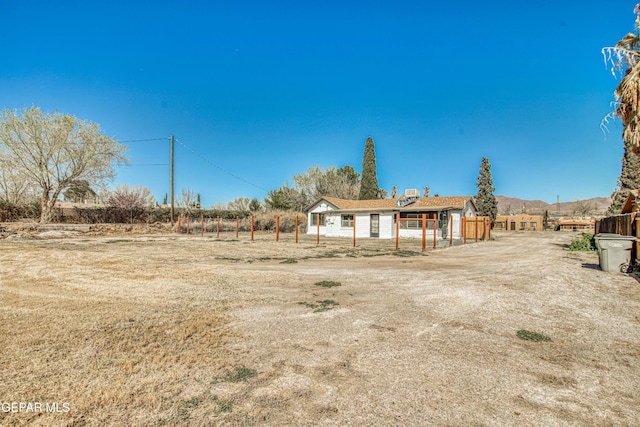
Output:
[[432, 341], [148, 330]]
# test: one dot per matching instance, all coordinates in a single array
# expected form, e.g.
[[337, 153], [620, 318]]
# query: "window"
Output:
[[347, 221], [411, 224], [314, 219], [500, 224], [417, 223], [534, 225], [523, 225]]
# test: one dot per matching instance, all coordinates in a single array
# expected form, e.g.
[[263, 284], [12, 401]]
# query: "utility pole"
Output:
[[171, 167]]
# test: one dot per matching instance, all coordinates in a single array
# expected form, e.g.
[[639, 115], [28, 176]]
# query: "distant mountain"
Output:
[[513, 205]]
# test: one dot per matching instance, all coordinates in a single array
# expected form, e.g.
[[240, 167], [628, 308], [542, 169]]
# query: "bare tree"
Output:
[[239, 204], [584, 208], [135, 199], [15, 187], [187, 198], [54, 150], [341, 182]]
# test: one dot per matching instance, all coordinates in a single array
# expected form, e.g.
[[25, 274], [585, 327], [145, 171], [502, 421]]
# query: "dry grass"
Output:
[[92, 338], [159, 330]]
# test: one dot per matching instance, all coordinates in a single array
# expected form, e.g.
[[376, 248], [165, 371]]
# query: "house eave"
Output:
[[398, 209]]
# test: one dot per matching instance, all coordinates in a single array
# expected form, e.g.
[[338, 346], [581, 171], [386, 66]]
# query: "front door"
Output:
[[375, 225]]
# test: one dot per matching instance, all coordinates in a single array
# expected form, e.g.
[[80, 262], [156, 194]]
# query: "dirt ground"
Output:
[[146, 328]]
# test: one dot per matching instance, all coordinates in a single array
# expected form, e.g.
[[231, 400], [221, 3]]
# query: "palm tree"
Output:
[[625, 58]]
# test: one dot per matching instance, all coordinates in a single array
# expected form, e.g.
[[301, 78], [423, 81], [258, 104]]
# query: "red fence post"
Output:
[[202, 221], [424, 232], [296, 228], [237, 226], [464, 229], [218, 229], [252, 225], [435, 234], [397, 229], [451, 230], [354, 230], [179, 229], [318, 239], [484, 228], [277, 228], [476, 224], [490, 224]]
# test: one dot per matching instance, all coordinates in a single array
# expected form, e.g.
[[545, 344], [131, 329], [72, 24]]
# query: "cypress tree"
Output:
[[485, 200], [629, 179], [369, 184]]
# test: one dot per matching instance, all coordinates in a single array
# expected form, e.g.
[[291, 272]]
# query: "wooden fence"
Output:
[[476, 228], [624, 225]]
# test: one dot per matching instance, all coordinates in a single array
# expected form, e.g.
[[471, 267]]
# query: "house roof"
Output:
[[421, 203], [576, 222], [630, 205], [518, 217]]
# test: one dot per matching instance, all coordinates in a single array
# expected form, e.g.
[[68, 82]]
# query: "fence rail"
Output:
[[475, 228]]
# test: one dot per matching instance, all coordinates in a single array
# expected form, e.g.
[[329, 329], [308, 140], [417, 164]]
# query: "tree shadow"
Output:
[[591, 266], [562, 245]]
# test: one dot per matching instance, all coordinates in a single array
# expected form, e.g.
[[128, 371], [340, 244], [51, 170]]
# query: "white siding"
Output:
[[333, 227], [363, 225], [456, 224], [320, 208], [387, 227]]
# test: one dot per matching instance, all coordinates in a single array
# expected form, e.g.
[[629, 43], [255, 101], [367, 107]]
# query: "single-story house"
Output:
[[576, 225], [377, 218], [521, 222]]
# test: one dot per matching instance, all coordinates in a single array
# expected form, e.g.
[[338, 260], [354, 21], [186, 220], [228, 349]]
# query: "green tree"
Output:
[[629, 179], [485, 199], [254, 205], [285, 198], [54, 150], [79, 192], [545, 219], [369, 185]]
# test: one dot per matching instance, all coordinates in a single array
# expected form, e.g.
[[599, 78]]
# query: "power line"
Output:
[[148, 164], [146, 140], [220, 167]]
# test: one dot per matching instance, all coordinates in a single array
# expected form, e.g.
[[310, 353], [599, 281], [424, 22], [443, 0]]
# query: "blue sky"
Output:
[[264, 90]]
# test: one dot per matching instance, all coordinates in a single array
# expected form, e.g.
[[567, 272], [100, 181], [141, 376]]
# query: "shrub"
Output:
[[523, 334], [328, 284], [14, 212], [586, 242]]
